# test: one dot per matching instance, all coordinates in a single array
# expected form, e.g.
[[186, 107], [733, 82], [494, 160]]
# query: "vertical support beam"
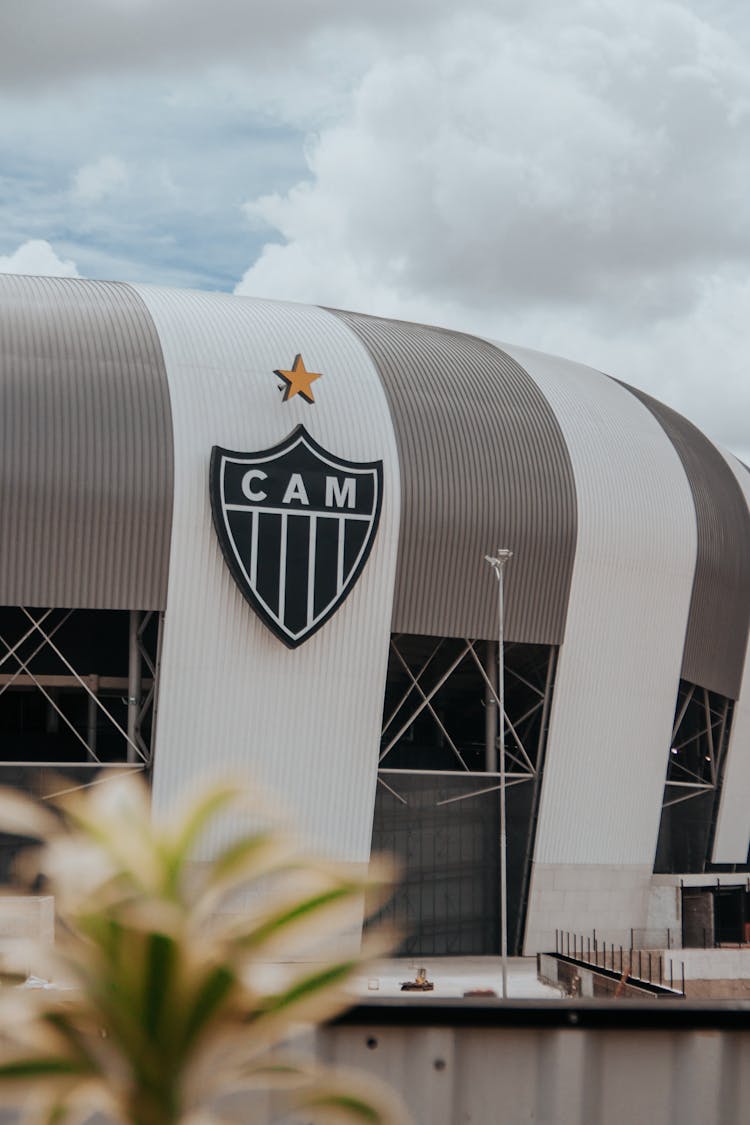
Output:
[[534, 814], [52, 717], [501, 557], [490, 710], [154, 666], [710, 735], [718, 755], [722, 747], [92, 715], [683, 708], [503, 817], [134, 683]]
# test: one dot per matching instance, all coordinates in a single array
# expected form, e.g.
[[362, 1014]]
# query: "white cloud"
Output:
[[38, 48], [531, 162], [36, 256], [572, 178], [99, 179]]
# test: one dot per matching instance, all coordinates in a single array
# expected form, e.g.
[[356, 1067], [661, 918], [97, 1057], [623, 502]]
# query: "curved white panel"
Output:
[[732, 838], [305, 722], [619, 665]]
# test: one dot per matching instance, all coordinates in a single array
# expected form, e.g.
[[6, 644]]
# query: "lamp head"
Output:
[[500, 557]]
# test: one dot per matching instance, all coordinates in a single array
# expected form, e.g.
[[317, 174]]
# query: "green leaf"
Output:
[[193, 824], [162, 956], [210, 996], [51, 1066], [359, 1109], [59, 1019], [240, 857], [289, 915], [57, 1114], [162, 1017], [21, 816], [308, 986]]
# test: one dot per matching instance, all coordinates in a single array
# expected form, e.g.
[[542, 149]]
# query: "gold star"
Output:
[[298, 380]]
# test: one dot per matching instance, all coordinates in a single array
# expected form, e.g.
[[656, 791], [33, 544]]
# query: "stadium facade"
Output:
[[243, 533]]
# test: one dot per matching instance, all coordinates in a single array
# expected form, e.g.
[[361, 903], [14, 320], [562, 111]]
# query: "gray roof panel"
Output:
[[483, 465], [717, 629], [86, 454]]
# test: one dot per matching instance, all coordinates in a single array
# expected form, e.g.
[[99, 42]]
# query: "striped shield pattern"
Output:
[[296, 525]]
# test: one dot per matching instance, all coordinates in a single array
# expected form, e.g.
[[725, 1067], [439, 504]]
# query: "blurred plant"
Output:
[[175, 1006]]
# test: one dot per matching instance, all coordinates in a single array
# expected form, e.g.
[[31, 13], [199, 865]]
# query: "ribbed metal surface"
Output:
[[483, 465], [589, 1063], [717, 631], [86, 450], [732, 837], [619, 666], [304, 722]]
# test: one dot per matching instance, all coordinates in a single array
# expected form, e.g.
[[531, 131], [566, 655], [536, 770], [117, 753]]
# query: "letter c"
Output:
[[247, 484]]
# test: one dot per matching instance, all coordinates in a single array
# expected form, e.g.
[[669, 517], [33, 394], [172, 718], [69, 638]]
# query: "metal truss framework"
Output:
[[33, 658], [698, 744], [425, 686], [697, 756], [440, 751]]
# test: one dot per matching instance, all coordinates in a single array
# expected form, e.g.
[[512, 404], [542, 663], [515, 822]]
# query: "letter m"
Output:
[[341, 493]]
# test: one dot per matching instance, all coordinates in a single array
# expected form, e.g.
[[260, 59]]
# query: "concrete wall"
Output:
[[27, 918], [581, 898], [714, 964], [25, 922], [665, 907], [575, 980]]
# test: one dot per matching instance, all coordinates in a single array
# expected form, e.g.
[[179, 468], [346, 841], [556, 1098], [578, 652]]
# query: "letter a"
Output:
[[295, 490]]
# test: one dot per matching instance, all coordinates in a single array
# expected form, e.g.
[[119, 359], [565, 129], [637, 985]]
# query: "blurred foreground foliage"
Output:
[[170, 1006]]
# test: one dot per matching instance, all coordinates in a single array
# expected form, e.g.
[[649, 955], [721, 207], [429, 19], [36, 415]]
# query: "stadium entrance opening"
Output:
[[437, 803], [78, 690]]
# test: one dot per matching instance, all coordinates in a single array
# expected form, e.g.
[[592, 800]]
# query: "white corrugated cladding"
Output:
[[619, 666], [732, 838], [305, 722]]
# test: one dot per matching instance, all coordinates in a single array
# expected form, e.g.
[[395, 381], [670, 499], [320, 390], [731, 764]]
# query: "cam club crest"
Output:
[[296, 525]]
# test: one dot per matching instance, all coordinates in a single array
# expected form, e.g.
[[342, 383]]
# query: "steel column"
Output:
[[134, 683], [490, 710], [498, 565]]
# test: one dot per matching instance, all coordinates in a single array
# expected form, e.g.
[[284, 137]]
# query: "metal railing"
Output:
[[644, 966]]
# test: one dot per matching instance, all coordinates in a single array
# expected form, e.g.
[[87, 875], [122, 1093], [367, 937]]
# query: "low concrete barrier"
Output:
[[576, 978]]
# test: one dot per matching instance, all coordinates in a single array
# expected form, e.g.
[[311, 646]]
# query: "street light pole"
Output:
[[497, 562]]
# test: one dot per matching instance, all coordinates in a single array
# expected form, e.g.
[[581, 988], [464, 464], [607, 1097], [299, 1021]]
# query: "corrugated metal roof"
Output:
[[619, 667], [483, 465], [306, 722], [717, 630], [86, 449], [582, 1062]]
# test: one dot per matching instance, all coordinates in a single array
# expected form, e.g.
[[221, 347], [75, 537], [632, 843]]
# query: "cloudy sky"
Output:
[[572, 177]]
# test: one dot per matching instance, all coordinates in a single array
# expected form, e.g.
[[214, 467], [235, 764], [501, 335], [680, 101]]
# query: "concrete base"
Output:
[[665, 908], [27, 917], [26, 922], [452, 978], [581, 898], [717, 989]]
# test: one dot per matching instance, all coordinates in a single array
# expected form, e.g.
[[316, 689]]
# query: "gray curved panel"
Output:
[[732, 837], [717, 630], [86, 450], [483, 465]]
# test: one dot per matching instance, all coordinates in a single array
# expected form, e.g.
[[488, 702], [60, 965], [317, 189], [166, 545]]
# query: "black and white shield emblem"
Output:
[[296, 525]]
